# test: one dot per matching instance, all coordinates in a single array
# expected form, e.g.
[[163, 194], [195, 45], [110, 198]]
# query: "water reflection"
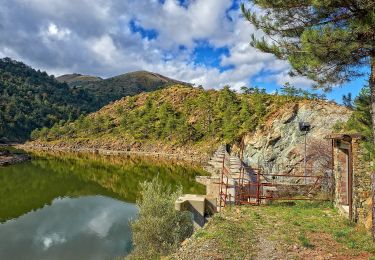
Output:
[[32, 185], [91, 227], [77, 206]]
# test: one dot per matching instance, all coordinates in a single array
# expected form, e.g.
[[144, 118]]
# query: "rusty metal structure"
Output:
[[251, 186]]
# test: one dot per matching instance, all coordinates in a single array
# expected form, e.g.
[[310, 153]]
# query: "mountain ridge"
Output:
[[116, 87]]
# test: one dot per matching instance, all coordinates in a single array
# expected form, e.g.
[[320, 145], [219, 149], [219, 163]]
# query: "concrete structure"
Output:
[[215, 166], [352, 174], [200, 206]]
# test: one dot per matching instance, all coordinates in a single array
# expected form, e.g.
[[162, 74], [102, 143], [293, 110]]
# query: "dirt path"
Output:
[[303, 231]]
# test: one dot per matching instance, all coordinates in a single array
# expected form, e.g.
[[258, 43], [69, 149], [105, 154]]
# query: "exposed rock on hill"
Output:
[[278, 145]]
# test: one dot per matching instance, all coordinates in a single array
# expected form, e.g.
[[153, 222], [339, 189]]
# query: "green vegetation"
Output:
[[299, 230], [178, 115], [360, 121], [160, 229], [31, 99], [329, 45], [330, 42], [29, 186], [111, 89]]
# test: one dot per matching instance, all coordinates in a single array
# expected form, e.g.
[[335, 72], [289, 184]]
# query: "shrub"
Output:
[[160, 229]]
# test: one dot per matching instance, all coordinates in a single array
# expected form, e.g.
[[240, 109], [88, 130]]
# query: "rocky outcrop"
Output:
[[278, 146]]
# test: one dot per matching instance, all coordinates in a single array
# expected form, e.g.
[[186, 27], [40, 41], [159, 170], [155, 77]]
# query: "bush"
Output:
[[160, 229]]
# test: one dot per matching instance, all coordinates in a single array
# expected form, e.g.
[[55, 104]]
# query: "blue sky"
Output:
[[205, 42]]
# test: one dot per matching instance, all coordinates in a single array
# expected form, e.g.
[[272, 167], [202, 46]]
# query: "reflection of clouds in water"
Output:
[[51, 240], [101, 224], [89, 227]]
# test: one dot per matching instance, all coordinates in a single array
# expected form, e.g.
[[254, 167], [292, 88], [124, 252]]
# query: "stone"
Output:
[[280, 137]]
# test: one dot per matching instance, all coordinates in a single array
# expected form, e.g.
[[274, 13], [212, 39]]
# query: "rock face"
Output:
[[278, 146]]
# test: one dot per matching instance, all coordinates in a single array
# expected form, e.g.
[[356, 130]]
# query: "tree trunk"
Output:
[[372, 90]]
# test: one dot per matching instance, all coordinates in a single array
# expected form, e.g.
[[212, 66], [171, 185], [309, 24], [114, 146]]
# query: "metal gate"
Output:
[[252, 187]]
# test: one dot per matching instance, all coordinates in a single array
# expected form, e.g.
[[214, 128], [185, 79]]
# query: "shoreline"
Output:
[[187, 157], [8, 158]]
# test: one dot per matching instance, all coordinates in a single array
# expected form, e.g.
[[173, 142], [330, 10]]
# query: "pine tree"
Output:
[[360, 120], [347, 100], [328, 41]]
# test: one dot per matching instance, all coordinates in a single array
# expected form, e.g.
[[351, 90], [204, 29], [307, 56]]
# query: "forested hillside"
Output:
[[175, 116], [111, 89], [32, 99]]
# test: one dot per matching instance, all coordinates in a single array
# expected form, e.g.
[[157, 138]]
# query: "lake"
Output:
[[78, 206]]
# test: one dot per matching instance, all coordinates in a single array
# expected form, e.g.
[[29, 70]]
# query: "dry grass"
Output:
[[282, 231]]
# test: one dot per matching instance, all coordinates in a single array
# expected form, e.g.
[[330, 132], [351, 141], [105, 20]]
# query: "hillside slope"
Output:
[[111, 89], [32, 99], [178, 119]]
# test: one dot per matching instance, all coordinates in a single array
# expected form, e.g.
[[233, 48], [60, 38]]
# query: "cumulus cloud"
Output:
[[96, 37]]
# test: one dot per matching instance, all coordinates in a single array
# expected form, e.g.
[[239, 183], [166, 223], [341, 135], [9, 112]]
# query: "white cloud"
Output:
[[104, 48], [51, 240], [93, 37], [52, 31]]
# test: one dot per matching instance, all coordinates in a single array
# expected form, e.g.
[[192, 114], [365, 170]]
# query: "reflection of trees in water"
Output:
[[32, 185]]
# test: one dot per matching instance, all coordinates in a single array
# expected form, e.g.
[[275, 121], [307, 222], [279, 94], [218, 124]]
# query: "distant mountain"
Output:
[[111, 89], [77, 79], [31, 99]]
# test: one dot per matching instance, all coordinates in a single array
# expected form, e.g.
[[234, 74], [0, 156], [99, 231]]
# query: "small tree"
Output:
[[347, 100], [289, 90], [160, 229]]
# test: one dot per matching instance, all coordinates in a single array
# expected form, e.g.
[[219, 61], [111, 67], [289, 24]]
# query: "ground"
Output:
[[302, 230]]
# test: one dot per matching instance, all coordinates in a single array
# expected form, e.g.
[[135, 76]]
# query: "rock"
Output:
[[279, 145]]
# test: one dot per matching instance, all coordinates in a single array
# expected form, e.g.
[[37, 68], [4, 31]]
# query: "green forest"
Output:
[[31, 99]]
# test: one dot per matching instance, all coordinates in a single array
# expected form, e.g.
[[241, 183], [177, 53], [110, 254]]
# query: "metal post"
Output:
[[258, 188], [304, 161]]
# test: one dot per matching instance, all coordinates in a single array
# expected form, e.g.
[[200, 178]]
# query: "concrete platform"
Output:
[[200, 206]]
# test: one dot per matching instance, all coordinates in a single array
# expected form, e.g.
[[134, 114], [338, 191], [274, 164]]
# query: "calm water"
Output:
[[74, 206]]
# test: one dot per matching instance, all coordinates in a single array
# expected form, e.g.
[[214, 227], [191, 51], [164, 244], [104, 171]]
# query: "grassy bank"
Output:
[[280, 231]]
